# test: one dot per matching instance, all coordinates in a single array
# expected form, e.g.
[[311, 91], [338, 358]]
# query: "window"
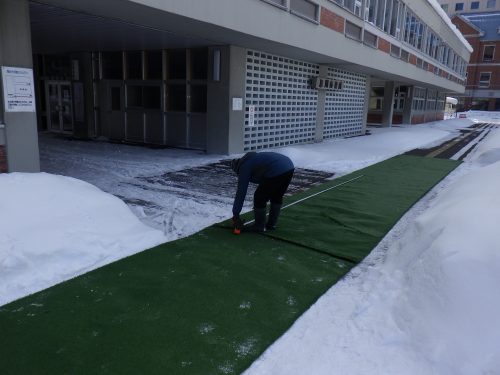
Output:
[[151, 97], [420, 35], [459, 6], [371, 6], [395, 51], [279, 3], [349, 4], [484, 79], [112, 65], [387, 15], [380, 14], [376, 98], [370, 39], [352, 31], [176, 67], [176, 98], [445, 7], [405, 55], [418, 99], [489, 52], [394, 31], [491, 4], [154, 65], [143, 97], [199, 64], [134, 65], [407, 22], [474, 5], [116, 99], [400, 94], [305, 8], [431, 100]]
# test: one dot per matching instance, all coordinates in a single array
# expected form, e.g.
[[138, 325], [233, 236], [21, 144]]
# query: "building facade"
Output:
[[224, 76], [452, 7], [483, 73]]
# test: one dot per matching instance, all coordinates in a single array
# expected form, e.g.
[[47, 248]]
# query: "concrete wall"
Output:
[[20, 133], [258, 25]]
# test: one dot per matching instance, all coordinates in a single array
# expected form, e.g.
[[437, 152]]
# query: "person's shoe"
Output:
[[274, 213], [259, 225]]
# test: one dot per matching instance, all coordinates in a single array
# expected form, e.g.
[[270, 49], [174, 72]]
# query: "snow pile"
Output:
[[424, 302], [482, 116], [342, 156], [445, 268], [53, 228]]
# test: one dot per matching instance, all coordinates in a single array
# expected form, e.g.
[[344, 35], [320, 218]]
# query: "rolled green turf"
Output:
[[213, 302]]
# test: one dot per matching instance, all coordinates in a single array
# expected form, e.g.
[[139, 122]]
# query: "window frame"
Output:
[[283, 5], [474, 3], [489, 80], [316, 18], [492, 55], [360, 39]]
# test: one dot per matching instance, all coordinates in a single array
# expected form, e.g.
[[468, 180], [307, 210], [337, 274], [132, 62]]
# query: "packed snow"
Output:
[[423, 302]]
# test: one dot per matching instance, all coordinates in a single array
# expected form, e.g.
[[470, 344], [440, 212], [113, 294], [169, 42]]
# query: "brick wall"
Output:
[[413, 59], [477, 65], [493, 67], [384, 45], [3, 159], [417, 119], [331, 20]]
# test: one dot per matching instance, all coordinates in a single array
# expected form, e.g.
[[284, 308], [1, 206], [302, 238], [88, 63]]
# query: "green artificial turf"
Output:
[[349, 220], [213, 302]]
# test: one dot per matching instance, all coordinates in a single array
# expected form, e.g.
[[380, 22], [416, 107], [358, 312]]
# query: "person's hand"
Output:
[[237, 222]]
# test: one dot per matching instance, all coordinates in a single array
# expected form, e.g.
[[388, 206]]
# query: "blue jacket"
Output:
[[255, 167]]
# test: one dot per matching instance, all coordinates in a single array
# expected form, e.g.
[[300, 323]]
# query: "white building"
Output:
[[224, 76]]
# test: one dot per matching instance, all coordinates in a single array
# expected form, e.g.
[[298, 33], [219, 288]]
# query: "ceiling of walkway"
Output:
[[57, 30]]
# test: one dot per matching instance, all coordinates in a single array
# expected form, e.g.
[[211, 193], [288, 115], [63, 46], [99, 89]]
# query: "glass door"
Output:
[[60, 107]]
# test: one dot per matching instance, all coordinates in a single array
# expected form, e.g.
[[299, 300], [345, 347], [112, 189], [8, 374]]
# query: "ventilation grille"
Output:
[[344, 110], [283, 105]]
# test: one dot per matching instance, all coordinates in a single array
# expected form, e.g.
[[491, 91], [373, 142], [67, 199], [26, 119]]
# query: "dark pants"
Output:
[[272, 189]]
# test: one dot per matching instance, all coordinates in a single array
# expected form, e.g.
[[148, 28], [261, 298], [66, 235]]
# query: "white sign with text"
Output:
[[18, 89]]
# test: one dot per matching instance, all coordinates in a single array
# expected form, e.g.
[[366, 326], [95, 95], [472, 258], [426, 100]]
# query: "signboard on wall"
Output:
[[18, 89]]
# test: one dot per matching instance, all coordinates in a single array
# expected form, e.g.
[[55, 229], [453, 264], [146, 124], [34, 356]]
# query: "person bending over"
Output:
[[273, 173]]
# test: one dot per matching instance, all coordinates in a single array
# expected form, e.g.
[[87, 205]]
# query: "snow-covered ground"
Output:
[[425, 300], [422, 303]]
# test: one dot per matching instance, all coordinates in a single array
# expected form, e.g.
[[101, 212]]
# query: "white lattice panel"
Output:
[[344, 109], [285, 107]]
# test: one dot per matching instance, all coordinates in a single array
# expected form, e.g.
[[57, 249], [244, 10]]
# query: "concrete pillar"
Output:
[[408, 107], [491, 104], [83, 95], [19, 135], [388, 107], [225, 124], [367, 103], [320, 113]]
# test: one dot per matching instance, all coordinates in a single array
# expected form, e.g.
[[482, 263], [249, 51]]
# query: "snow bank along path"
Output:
[[53, 228]]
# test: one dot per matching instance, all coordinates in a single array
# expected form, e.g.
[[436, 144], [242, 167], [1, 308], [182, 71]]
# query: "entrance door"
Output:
[[112, 104], [60, 107]]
